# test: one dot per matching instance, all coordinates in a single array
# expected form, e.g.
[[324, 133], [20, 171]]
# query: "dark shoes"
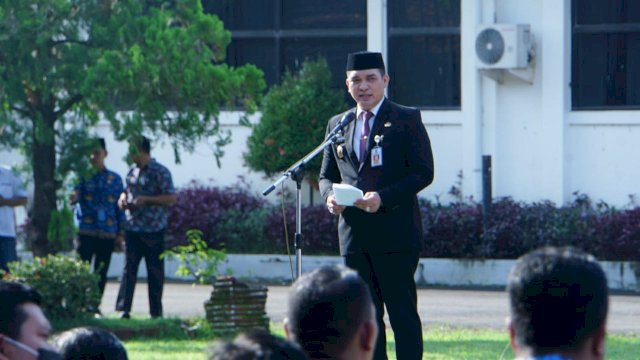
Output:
[[126, 315]]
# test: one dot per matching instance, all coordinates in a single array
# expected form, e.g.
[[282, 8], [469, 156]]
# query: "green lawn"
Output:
[[167, 349], [440, 344], [164, 339]]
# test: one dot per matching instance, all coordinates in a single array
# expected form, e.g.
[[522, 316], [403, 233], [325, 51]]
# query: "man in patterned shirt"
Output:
[[101, 222], [149, 191]]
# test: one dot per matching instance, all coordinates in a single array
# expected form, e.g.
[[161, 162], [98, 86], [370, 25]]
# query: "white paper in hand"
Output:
[[346, 194]]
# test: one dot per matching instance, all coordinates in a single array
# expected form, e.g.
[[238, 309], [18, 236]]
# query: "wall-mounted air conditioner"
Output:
[[503, 46]]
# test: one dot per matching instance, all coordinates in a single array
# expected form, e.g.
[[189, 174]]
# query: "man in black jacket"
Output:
[[386, 154]]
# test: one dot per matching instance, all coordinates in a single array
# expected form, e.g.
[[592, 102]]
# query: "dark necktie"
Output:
[[364, 136]]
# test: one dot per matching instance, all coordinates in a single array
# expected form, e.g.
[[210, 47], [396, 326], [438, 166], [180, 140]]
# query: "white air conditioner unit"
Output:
[[503, 46]]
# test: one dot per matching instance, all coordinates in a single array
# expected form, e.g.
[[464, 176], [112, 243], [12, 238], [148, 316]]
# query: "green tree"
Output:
[[294, 120], [65, 64]]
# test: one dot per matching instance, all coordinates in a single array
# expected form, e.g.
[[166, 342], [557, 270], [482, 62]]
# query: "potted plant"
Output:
[[233, 306], [196, 258]]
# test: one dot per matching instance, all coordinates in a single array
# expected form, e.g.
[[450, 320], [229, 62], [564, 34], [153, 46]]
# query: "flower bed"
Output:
[[240, 221]]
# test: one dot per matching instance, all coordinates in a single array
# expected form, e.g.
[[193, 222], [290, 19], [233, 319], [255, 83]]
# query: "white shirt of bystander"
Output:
[[10, 187]]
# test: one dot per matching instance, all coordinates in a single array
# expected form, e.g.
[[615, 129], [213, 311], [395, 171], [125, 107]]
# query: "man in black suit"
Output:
[[387, 156]]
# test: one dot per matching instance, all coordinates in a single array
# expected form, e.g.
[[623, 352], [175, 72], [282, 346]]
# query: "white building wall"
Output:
[[602, 161], [201, 166]]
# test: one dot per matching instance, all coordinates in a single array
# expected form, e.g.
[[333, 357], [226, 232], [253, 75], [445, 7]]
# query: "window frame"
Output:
[[428, 31], [278, 34], [595, 29]]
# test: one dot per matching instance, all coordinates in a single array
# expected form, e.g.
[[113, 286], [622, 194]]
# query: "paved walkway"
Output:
[[438, 307]]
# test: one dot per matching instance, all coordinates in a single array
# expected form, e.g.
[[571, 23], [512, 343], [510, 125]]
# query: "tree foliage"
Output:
[[152, 67], [294, 119]]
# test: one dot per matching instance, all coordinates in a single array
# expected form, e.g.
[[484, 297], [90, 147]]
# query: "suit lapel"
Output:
[[349, 147]]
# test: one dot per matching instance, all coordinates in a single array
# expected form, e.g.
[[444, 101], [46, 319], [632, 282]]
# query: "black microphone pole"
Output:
[[296, 172]]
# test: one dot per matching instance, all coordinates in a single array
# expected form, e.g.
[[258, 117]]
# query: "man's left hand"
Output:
[[370, 202]]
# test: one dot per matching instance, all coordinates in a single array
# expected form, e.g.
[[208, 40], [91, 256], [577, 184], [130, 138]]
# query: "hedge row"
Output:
[[240, 221]]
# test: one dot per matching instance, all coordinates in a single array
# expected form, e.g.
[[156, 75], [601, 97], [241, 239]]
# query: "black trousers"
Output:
[[99, 250], [149, 246], [390, 279]]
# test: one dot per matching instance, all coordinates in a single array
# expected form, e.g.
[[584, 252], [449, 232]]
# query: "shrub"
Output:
[[243, 222], [294, 118], [620, 234], [200, 207], [68, 287], [319, 230], [244, 231], [61, 229], [514, 228], [450, 231]]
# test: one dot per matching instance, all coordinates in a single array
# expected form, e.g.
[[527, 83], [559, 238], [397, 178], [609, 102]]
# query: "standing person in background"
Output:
[[149, 191], [101, 221], [12, 194], [386, 154]]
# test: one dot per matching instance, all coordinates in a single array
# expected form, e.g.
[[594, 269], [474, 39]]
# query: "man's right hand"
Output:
[[333, 207], [73, 198], [122, 202]]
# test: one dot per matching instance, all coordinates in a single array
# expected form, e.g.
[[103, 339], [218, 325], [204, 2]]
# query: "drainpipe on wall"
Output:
[[478, 99], [488, 104]]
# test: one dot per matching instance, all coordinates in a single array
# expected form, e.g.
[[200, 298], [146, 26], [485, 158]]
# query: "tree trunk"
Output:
[[44, 197]]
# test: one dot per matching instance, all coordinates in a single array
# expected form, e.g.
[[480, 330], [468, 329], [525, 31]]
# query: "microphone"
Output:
[[346, 119]]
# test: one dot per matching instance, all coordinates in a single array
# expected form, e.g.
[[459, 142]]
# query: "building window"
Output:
[[605, 72], [424, 53], [276, 35]]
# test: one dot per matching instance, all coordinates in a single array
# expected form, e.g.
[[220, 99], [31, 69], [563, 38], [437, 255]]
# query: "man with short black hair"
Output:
[[257, 345], [24, 329], [149, 191], [331, 315], [90, 343], [559, 302]]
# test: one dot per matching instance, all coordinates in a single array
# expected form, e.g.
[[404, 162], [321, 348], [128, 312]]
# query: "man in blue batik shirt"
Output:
[[101, 222], [149, 191], [559, 302]]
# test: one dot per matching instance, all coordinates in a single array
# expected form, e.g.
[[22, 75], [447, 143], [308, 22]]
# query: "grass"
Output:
[[167, 339], [182, 349]]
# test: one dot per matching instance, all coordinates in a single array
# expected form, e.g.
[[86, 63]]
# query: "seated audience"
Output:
[[331, 315], [24, 329], [559, 303], [90, 343], [257, 345]]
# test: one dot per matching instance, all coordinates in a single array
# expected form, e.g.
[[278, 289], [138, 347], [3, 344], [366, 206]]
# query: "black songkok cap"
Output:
[[363, 60], [103, 145]]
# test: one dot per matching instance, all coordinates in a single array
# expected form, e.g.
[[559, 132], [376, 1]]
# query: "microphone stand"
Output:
[[296, 173]]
